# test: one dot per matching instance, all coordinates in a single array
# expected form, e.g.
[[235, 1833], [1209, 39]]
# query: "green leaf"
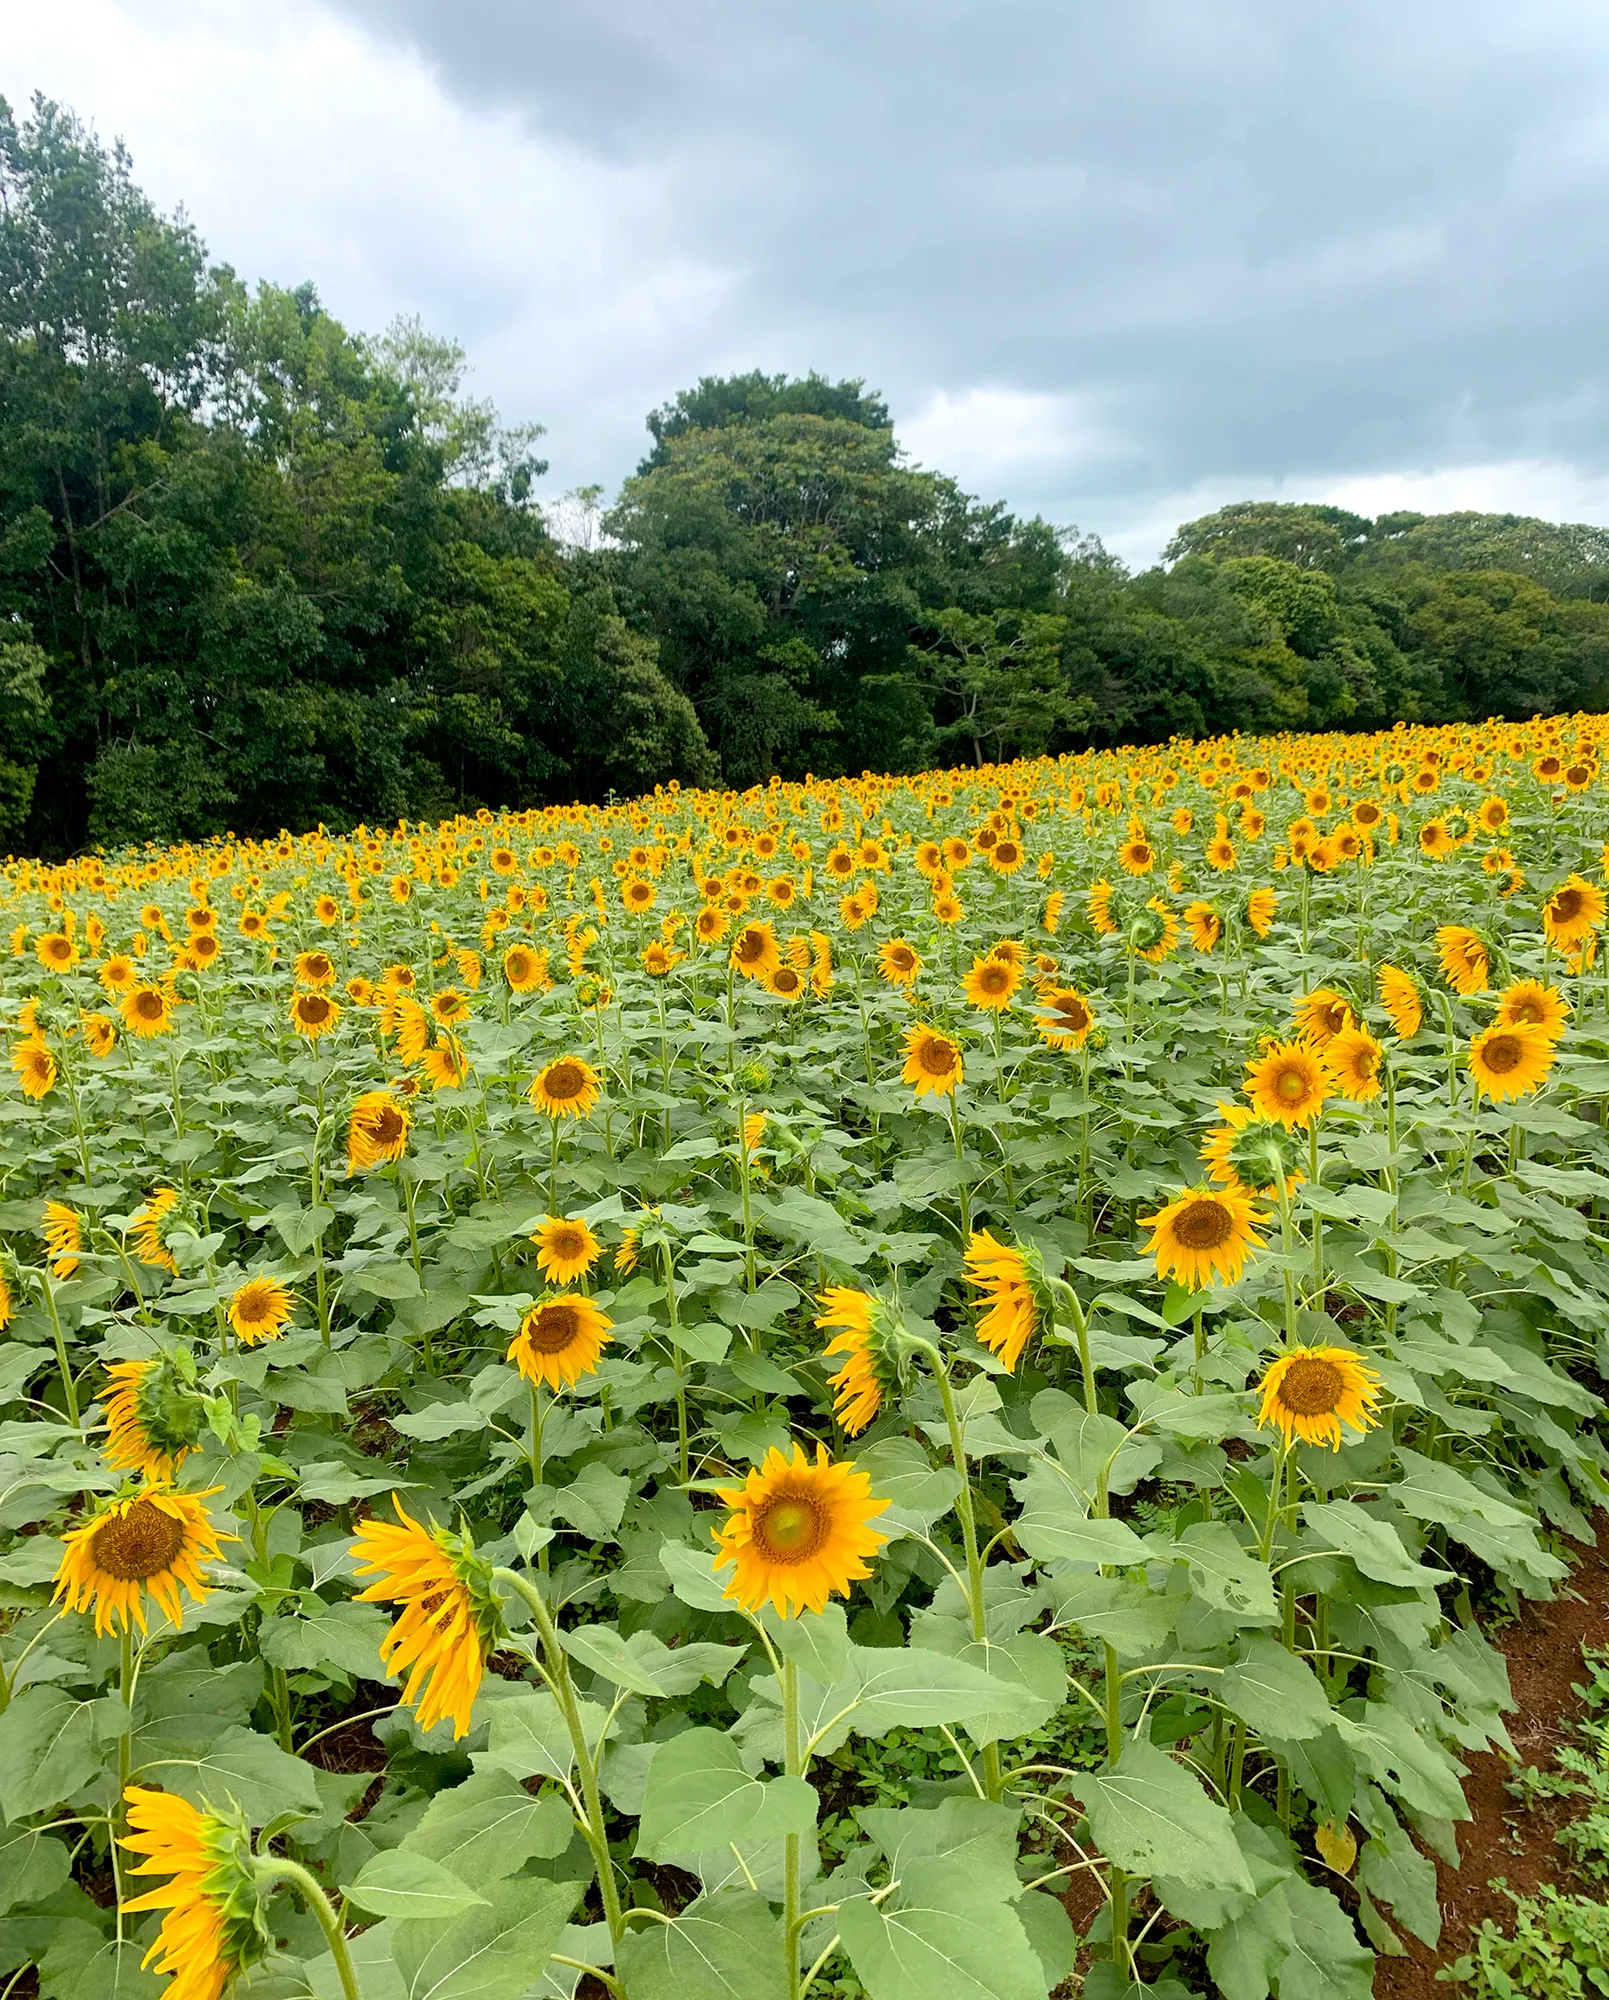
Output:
[[1055, 1526], [1050, 1932], [1373, 1544], [693, 1577], [438, 1420], [397, 1883], [1324, 1959], [1403, 1760], [973, 1831], [81, 1964], [242, 1766], [723, 1947], [601, 1648], [1122, 1612], [32, 1867], [347, 1636], [1152, 1817], [937, 1935], [699, 1796], [493, 1952], [1500, 1534], [594, 1501], [1274, 1691], [918, 1492], [529, 1737], [490, 1826], [47, 1750], [889, 1687], [391, 1279], [1229, 1577], [1183, 1415], [1393, 1871], [817, 1642]]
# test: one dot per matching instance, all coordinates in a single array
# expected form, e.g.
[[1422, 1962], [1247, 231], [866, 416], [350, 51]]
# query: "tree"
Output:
[[1003, 673], [1310, 536]]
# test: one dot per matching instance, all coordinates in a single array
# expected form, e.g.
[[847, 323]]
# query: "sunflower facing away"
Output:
[[1529, 1003], [1321, 1015], [1246, 1143], [560, 1340], [857, 1388], [155, 1542], [153, 1418], [798, 1533], [1511, 1059], [449, 1617], [376, 1132], [1010, 1305], [1400, 996], [1204, 1236], [1289, 1083], [260, 1309], [1310, 1392], [566, 1248], [212, 1932], [932, 1062], [567, 1088]]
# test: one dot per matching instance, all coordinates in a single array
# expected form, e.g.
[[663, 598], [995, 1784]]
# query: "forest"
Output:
[[260, 571]]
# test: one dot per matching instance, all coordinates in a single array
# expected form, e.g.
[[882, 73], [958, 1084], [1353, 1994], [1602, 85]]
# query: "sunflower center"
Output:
[[1567, 904], [787, 979], [750, 947], [138, 1542], [1073, 1012], [934, 1055], [1503, 1053], [1525, 1010], [1204, 1225], [551, 1328], [564, 1080], [255, 1305], [387, 1128], [994, 979], [1291, 1085], [791, 1529], [314, 1009], [902, 958], [1312, 1388], [566, 1243], [149, 1005]]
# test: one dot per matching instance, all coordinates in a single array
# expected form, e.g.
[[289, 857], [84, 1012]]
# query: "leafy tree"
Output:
[[1310, 536]]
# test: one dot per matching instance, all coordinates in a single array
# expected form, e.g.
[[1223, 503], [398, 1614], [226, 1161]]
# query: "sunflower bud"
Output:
[[754, 1075]]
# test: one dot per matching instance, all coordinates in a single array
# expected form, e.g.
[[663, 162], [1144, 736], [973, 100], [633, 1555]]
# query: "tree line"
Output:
[[258, 571]]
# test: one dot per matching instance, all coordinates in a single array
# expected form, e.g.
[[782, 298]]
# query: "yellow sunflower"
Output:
[[899, 963], [1010, 1306], [449, 1619], [991, 983], [445, 1065], [1572, 913], [1064, 1017], [1203, 1237], [566, 1248], [1289, 1082], [156, 1542], [1354, 1057], [1259, 911], [1400, 996], [260, 1309], [1321, 1015], [35, 1067], [315, 969], [1098, 903], [1465, 963], [857, 1388], [377, 1131], [560, 1340], [314, 1014], [1528, 1002], [567, 1088], [149, 1230], [56, 951], [1223, 1150], [210, 1934], [798, 1533], [787, 982], [755, 952], [932, 1062], [524, 968], [1511, 1059], [1204, 924], [63, 1232], [153, 1419], [1309, 1392]]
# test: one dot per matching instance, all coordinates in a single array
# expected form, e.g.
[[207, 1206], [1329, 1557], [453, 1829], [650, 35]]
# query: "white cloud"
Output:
[[991, 436]]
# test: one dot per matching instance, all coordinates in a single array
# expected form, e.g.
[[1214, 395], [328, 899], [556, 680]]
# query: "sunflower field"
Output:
[[916, 1387]]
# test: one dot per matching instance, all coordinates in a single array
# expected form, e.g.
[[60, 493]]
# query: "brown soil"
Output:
[[1543, 1650]]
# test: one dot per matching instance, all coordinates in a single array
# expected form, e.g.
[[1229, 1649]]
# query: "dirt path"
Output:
[[1544, 1658]]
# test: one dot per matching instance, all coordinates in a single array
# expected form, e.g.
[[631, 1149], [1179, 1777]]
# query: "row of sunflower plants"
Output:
[[898, 1386]]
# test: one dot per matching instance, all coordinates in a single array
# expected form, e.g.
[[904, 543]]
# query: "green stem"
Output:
[[67, 1389], [272, 1868], [793, 1765]]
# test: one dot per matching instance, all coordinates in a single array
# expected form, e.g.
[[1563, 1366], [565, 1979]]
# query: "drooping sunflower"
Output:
[[1010, 1302], [260, 1309], [1529, 1003], [148, 1227], [1246, 1143], [1401, 998], [625, 1258], [991, 983], [755, 952], [1572, 913], [376, 1132], [1310, 1392], [1321, 1015], [1098, 903], [857, 1388], [1465, 962], [798, 1533], [1259, 911], [932, 1062], [1289, 1082], [156, 1542], [566, 1248], [35, 1067], [445, 1064], [63, 1231], [567, 1088], [899, 962], [100, 1035], [211, 1933], [560, 1340], [1203, 1236], [449, 1620], [314, 1014], [1512, 1059], [1354, 1057], [153, 1418]]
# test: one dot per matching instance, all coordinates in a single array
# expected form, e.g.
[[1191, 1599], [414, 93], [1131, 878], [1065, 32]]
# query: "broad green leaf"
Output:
[[1394, 1872], [1373, 1544], [1050, 1932], [348, 1635], [699, 1796], [899, 1687], [438, 1420], [937, 1935], [242, 1766], [980, 1835], [1228, 1576], [530, 1739], [47, 1750], [1324, 1959], [694, 1578], [724, 1947], [918, 1492], [1152, 1817], [1180, 1414], [1403, 1760], [490, 1826], [1123, 1613], [82, 1964], [32, 1867], [1275, 1691], [1500, 1534], [388, 1279], [601, 1648], [397, 1883], [817, 1642], [492, 1952], [1055, 1526], [594, 1501]]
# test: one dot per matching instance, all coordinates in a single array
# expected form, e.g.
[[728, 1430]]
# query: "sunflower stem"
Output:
[[535, 1454], [67, 1389], [274, 1868], [793, 1765], [1119, 1880]]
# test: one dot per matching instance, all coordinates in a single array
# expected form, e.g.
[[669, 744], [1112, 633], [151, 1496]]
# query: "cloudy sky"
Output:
[[1116, 261]]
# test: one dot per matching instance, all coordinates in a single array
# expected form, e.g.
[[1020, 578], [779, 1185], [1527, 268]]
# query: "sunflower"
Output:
[[147, 1011], [1435, 840], [149, 1230], [857, 1388], [1055, 903], [932, 1062], [1203, 1237], [899, 963], [1098, 903], [1288, 1083], [1259, 911], [1204, 924], [1225, 1150], [755, 952], [1010, 1304], [567, 1088], [1465, 963], [1309, 1392], [445, 1066], [156, 1541], [991, 983], [658, 960], [1064, 1018], [314, 1014], [1321, 1015], [1400, 996], [153, 1418], [259, 1310], [315, 968], [63, 1232], [1154, 932], [709, 926], [798, 1533], [211, 1933], [947, 910], [1511, 1059], [625, 1259], [560, 1340], [376, 1132], [117, 975], [1136, 856], [1529, 1002], [1572, 913], [565, 1248], [449, 1621], [787, 982], [1006, 856], [521, 968], [448, 1007], [1355, 1057], [35, 1067]]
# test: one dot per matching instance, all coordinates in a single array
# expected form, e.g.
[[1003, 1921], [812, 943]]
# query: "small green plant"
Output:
[[1558, 1950], [1582, 1775]]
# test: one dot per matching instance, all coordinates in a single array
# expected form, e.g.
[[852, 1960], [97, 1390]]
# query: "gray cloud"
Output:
[[1240, 240]]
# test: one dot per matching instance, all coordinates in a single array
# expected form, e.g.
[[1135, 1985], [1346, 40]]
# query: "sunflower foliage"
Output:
[[898, 1386]]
